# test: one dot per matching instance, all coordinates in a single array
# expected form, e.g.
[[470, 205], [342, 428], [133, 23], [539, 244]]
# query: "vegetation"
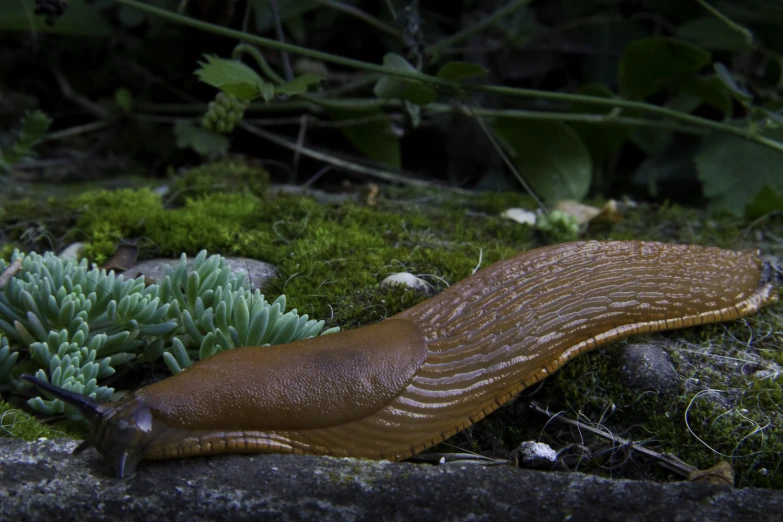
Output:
[[192, 126]]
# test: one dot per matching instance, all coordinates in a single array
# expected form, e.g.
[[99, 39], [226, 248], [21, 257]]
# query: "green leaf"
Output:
[[373, 137], [711, 33], [233, 77], [80, 19], [391, 87], [298, 85], [603, 141], [731, 85], [651, 65], [549, 155], [458, 71], [124, 99], [710, 90], [767, 200], [199, 139], [734, 171]]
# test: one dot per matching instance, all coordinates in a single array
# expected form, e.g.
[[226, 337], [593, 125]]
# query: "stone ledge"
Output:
[[42, 481]]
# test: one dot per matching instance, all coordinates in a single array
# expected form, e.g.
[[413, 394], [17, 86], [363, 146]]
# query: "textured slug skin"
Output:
[[392, 389]]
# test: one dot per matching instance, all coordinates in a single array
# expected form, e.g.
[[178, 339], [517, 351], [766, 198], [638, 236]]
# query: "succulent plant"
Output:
[[216, 311], [7, 361], [53, 294], [79, 323]]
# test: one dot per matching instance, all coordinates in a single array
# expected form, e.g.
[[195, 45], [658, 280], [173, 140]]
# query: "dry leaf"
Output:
[[720, 473], [585, 213]]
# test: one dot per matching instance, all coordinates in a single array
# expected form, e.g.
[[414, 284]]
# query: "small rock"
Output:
[[535, 455], [72, 250], [648, 367], [520, 215], [257, 273]]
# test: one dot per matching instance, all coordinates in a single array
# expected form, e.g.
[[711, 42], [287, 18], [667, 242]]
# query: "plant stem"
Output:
[[595, 119], [452, 86], [361, 15], [467, 32], [510, 164], [287, 70], [734, 26]]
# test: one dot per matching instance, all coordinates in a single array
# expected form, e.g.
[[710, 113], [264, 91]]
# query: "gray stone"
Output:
[[257, 273], [42, 481], [647, 367]]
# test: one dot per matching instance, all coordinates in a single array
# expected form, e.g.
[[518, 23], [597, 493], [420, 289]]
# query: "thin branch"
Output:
[[747, 35], [493, 140], [77, 130], [669, 461], [361, 15], [69, 94], [10, 271], [347, 165], [287, 70], [460, 36]]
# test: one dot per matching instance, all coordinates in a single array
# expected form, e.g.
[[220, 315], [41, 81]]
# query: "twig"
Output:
[[287, 71], [667, 460], [69, 94], [300, 139], [437, 48], [747, 35], [10, 272], [361, 15], [76, 130], [347, 165], [493, 140]]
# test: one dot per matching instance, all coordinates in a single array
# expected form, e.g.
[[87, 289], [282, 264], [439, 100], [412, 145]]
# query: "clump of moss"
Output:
[[224, 176], [16, 423], [107, 216]]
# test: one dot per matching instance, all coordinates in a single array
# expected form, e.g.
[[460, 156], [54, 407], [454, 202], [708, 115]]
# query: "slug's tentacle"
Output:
[[87, 406], [392, 389]]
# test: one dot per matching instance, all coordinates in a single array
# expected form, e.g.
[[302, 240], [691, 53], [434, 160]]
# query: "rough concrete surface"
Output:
[[42, 481]]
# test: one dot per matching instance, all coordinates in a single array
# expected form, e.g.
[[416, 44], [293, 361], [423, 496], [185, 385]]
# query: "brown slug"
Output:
[[392, 389]]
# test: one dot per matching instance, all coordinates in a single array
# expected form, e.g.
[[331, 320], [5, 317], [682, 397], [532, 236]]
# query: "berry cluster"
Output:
[[224, 112]]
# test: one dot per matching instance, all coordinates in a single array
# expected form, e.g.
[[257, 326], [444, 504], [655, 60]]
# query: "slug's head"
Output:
[[120, 430]]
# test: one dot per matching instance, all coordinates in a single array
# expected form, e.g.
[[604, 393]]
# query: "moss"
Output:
[[224, 176], [107, 216], [35, 223], [16, 423]]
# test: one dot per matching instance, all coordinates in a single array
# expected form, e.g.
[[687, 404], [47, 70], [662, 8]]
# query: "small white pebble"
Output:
[[520, 215], [407, 279]]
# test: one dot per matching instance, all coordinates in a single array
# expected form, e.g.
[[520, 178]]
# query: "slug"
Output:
[[394, 388]]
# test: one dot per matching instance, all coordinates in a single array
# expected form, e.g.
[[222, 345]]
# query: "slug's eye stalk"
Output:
[[119, 429]]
